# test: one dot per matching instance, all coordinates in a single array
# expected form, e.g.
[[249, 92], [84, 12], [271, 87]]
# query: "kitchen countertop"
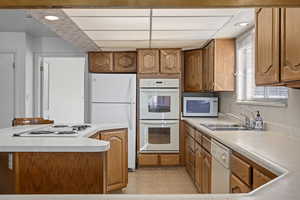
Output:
[[273, 150], [79, 143]]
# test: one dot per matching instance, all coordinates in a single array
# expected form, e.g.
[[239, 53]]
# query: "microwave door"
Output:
[[199, 107]]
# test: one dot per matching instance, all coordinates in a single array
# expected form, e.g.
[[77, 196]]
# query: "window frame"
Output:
[[242, 92]]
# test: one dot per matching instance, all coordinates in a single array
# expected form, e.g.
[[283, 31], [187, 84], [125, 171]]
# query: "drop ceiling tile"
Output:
[[188, 23], [118, 35], [231, 30], [182, 35], [107, 12], [195, 12], [177, 44], [112, 23], [122, 44]]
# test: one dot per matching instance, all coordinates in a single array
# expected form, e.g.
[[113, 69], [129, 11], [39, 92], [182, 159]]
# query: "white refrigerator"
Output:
[[113, 100]]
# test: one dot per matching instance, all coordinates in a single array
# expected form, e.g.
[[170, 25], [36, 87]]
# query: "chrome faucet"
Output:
[[247, 121]]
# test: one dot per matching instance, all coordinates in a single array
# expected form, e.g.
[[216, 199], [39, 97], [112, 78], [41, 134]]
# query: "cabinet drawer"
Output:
[[169, 159], [191, 143], [148, 159], [237, 186], [241, 169], [259, 179], [198, 136], [191, 131], [206, 143]]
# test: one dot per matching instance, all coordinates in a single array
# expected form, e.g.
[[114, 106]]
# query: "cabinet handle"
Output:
[[291, 66], [268, 69], [236, 189]]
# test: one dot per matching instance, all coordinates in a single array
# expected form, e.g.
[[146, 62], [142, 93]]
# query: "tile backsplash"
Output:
[[288, 116]]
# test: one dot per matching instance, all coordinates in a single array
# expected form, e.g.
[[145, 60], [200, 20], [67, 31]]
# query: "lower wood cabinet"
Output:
[[198, 167], [237, 186], [117, 158], [246, 175], [152, 159], [206, 172], [259, 178]]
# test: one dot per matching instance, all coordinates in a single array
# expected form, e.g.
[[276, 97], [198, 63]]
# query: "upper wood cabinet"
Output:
[[117, 158], [125, 61], [148, 61], [101, 62], [159, 61], [105, 62], [267, 46], [211, 69], [170, 61], [277, 44], [290, 44], [193, 71]]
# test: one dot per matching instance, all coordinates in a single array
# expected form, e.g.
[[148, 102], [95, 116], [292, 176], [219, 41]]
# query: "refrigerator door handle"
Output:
[[129, 116]]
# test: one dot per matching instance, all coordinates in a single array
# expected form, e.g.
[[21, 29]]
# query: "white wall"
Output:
[[15, 42], [287, 116], [26, 49], [66, 89]]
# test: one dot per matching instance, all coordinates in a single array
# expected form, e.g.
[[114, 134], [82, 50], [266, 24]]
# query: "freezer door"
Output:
[[104, 113], [118, 88]]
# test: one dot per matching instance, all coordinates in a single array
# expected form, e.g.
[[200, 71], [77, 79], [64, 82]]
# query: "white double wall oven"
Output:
[[159, 115]]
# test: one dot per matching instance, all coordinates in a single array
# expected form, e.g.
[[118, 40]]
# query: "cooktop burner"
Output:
[[80, 127], [40, 132]]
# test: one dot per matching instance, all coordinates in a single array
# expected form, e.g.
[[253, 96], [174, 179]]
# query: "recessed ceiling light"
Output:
[[51, 18], [242, 24]]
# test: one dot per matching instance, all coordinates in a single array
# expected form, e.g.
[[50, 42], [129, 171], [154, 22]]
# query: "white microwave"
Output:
[[200, 106]]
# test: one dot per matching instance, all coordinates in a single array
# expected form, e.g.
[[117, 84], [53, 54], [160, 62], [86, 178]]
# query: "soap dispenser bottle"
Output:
[[259, 124]]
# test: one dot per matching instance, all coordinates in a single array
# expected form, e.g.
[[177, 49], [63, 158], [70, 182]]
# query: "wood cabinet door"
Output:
[[267, 46], [125, 62], [290, 44], [100, 62], [224, 65], [206, 172], [198, 167], [117, 158], [259, 178], [211, 66], [148, 61], [205, 53], [237, 186], [193, 71], [170, 61]]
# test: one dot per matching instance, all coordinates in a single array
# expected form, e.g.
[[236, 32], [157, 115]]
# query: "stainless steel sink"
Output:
[[226, 127]]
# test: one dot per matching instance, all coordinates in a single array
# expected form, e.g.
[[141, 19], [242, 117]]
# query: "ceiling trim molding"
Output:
[[65, 28], [146, 4]]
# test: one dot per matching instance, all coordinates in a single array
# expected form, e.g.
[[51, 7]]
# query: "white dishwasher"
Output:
[[220, 168]]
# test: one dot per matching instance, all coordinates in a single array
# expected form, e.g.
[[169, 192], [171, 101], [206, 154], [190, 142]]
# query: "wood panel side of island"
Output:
[[56, 173]]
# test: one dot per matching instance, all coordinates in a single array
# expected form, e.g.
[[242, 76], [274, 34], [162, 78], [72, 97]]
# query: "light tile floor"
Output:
[[162, 180]]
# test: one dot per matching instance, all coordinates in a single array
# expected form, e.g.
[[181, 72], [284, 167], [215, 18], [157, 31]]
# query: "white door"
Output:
[[6, 89], [45, 88], [66, 89], [116, 88]]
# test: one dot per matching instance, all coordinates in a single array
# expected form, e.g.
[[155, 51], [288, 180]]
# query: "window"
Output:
[[246, 89]]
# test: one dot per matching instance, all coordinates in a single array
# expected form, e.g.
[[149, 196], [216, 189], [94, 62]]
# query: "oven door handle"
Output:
[[160, 122]]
